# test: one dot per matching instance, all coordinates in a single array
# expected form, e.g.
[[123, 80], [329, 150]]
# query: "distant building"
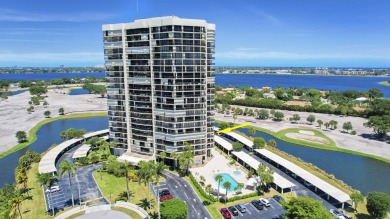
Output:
[[269, 95]]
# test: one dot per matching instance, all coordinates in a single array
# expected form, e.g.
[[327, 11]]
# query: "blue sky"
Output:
[[320, 33]]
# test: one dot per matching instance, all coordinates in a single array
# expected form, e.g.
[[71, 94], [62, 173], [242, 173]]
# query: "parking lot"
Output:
[[275, 211]]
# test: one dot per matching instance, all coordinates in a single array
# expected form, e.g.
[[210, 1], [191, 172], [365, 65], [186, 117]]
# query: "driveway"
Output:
[[89, 191], [180, 188]]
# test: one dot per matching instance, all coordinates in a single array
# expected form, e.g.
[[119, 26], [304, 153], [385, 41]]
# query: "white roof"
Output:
[[91, 134], [216, 129], [105, 137], [221, 141], [361, 99], [82, 151], [252, 162], [314, 180], [131, 159], [48, 161], [240, 138]]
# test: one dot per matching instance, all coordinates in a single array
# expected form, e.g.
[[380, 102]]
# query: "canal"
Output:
[[362, 173], [47, 135]]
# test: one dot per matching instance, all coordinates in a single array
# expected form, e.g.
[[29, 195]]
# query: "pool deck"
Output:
[[219, 164]]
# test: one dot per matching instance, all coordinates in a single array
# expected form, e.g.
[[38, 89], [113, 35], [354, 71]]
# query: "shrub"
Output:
[[353, 132], [174, 209], [200, 189], [232, 162], [237, 146]]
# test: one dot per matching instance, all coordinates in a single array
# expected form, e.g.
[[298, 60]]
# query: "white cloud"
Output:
[[18, 16], [265, 16]]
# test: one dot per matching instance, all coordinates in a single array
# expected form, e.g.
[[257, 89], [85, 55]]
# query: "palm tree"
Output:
[[145, 173], [209, 188], [16, 201], [186, 158], [21, 178], [158, 170], [227, 186], [219, 179], [64, 135], [252, 131], [67, 168], [163, 155], [267, 178], [44, 180], [239, 187], [127, 167]]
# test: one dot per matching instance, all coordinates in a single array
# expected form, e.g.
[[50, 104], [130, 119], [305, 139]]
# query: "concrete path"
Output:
[[104, 215]]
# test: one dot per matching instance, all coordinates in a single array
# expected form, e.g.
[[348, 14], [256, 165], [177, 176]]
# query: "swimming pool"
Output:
[[227, 178]]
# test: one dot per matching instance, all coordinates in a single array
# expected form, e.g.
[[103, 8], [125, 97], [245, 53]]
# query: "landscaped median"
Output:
[[32, 132]]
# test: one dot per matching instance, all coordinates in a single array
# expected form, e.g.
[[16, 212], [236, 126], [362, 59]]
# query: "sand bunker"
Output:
[[309, 138], [307, 132]]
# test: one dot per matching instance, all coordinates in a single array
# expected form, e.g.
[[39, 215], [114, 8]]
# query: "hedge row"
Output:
[[209, 198]]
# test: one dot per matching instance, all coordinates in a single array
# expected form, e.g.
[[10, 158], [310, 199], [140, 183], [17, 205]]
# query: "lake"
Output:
[[50, 76], [362, 173], [78, 92], [47, 135], [339, 83]]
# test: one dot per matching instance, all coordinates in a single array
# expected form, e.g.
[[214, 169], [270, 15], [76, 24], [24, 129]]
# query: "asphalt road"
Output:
[[88, 188], [180, 188]]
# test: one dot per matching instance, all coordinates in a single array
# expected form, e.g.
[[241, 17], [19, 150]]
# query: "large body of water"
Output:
[[47, 135], [339, 83], [362, 173], [49, 76]]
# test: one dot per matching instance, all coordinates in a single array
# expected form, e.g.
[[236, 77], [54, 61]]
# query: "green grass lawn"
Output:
[[281, 135], [31, 135], [112, 186], [127, 211], [35, 208]]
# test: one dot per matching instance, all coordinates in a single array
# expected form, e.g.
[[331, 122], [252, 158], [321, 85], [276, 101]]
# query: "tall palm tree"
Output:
[[186, 158], [127, 167], [158, 170], [219, 179], [16, 201], [239, 187], [209, 188], [67, 168], [227, 186], [21, 178], [163, 155], [44, 180], [145, 173]]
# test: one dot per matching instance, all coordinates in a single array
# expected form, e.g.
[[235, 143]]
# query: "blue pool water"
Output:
[[227, 178], [236, 172], [78, 92]]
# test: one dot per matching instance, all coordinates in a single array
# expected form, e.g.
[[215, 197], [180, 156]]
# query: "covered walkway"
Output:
[[309, 179], [49, 160], [82, 151], [248, 144], [280, 183], [223, 144]]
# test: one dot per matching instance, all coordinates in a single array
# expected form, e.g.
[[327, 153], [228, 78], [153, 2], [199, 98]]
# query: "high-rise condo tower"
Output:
[[161, 85]]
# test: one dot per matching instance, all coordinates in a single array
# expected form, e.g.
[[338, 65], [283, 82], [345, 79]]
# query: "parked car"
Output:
[[278, 198], [233, 210], [265, 202], [164, 192], [225, 213], [258, 204], [336, 214], [344, 213], [53, 189], [241, 208], [165, 197]]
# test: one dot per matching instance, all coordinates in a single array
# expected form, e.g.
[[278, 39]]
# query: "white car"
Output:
[[53, 189], [265, 202], [336, 214]]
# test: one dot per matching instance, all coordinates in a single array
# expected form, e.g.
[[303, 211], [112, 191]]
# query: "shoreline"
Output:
[[385, 83], [284, 74], [32, 137]]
